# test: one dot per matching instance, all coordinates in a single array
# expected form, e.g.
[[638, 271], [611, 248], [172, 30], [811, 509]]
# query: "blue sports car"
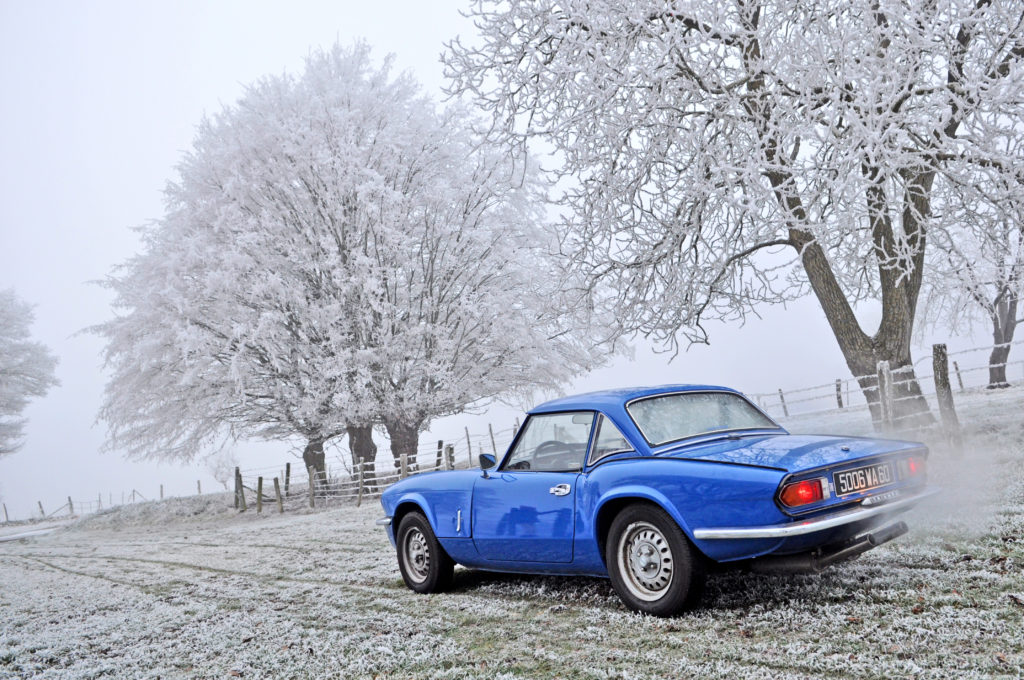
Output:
[[650, 487]]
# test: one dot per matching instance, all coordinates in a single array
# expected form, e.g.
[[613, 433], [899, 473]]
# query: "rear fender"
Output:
[[641, 494], [695, 494]]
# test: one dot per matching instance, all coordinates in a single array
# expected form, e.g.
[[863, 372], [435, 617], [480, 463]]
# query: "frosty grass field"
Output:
[[189, 589]]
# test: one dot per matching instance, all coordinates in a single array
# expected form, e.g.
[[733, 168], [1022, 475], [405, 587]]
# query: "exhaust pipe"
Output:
[[813, 562], [803, 563], [887, 534]]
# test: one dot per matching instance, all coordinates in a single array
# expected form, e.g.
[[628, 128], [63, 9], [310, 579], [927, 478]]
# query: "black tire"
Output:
[[425, 566], [653, 567]]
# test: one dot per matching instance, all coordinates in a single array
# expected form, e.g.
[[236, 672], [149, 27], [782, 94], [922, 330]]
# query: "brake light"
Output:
[[801, 493], [912, 466]]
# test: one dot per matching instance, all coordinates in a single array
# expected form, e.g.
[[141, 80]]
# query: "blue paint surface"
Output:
[[511, 521]]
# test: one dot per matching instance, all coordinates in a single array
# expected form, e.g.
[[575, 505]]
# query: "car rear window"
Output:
[[670, 417]]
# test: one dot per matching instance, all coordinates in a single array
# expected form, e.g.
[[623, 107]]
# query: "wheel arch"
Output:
[[613, 503], [412, 503]]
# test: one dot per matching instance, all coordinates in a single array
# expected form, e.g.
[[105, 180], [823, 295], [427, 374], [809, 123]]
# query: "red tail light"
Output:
[[801, 493], [912, 466]]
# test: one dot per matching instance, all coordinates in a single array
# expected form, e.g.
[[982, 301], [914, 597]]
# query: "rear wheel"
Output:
[[652, 565], [425, 566]]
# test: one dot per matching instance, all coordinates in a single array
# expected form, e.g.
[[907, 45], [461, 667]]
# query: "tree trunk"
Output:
[[364, 452], [910, 408], [405, 439], [313, 457], [997, 366], [899, 302], [1004, 323], [863, 352], [899, 289]]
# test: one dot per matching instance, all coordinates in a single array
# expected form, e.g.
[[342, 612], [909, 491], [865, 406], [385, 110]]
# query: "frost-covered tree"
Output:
[[26, 369], [334, 254], [474, 307], [976, 274], [727, 153]]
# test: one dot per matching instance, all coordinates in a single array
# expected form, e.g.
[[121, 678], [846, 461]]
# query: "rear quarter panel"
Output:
[[696, 494]]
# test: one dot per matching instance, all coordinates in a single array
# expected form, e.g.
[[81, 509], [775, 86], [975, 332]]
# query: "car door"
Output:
[[524, 511]]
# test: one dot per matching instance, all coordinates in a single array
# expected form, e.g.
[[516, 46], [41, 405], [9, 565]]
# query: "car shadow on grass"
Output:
[[738, 589]]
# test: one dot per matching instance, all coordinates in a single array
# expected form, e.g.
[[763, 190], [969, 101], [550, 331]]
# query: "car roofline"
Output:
[[595, 401]]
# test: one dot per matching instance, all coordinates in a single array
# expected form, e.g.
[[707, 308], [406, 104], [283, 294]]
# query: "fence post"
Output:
[[241, 490], [944, 394], [41, 512], [238, 477], [494, 447], [259, 495], [956, 367], [782, 399], [161, 492], [449, 457], [199, 488], [403, 465], [469, 447], [440, 452], [515, 430], [71, 507], [885, 402], [287, 477], [359, 493], [6, 518], [839, 392], [277, 492], [312, 486], [99, 502]]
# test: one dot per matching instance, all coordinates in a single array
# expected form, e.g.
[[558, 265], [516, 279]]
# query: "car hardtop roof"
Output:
[[617, 398]]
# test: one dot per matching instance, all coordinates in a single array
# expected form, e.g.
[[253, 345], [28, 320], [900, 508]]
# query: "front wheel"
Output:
[[425, 566], [652, 565]]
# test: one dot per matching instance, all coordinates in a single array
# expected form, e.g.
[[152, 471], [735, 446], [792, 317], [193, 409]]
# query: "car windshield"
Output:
[[671, 417]]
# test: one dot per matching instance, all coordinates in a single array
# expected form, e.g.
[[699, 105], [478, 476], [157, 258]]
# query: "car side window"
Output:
[[609, 440], [552, 442]]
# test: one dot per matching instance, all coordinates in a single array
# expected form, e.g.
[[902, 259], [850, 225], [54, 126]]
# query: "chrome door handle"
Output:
[[560, 490]]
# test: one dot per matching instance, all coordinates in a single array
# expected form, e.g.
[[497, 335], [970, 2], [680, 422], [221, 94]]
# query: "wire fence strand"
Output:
[[343, 481]]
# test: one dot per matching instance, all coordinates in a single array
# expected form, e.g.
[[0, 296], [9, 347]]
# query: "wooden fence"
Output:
[[950, 374], [873, 406], [294, 488]]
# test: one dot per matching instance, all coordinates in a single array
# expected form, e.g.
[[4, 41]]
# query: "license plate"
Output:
[[864, 478]]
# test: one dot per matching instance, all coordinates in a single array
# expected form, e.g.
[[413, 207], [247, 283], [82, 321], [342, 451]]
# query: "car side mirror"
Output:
[[487, 461]]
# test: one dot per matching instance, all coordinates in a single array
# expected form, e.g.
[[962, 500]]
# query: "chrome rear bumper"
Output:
[[809, 526], [383, 522]]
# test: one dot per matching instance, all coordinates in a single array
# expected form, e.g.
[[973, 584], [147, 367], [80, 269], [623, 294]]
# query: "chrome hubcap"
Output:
[[417, 555], [645, 561]]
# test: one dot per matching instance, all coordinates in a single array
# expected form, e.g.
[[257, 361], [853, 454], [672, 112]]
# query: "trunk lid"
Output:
[[789, 452]]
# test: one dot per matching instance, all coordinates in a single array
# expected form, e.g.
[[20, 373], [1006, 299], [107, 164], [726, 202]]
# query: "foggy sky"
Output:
[[98, 101]]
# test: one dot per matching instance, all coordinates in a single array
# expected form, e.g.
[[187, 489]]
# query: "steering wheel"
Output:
[[550, 446]]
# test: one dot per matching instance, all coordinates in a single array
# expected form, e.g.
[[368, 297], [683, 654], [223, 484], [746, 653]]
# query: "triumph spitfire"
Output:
[[650, 487]]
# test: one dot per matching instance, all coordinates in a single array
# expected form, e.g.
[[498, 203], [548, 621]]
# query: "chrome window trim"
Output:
[[499, 466], [699, 434], [590, 460]]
